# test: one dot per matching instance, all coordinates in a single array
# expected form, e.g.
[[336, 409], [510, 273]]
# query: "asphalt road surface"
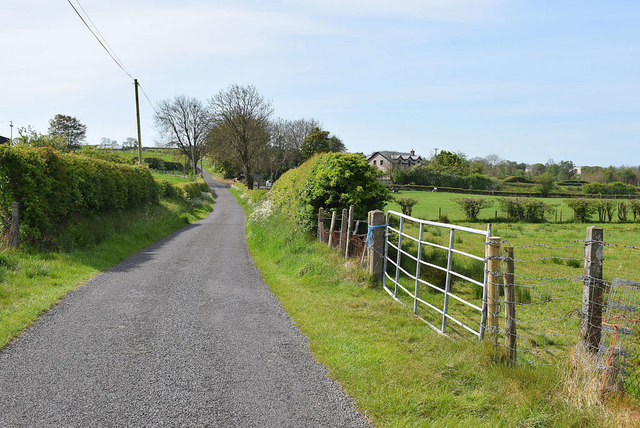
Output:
[[183, 333]]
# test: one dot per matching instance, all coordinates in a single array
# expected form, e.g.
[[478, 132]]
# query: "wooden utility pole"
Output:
[[135, 84]]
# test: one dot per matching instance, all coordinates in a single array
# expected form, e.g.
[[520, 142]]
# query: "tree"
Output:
[[31, 137], [69, 127], [318, 141], [450, 163], [130, 143], [186, 123], [545, 183], [241, 133], [108, 143], [285, 144]]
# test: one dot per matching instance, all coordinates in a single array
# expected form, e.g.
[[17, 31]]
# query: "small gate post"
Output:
[[510, 336], [376, 258], [320, 224], [493, 290], [593, 290], [14, 230]]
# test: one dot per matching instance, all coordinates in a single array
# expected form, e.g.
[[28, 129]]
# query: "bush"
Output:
[[616, 188], [193, 189], [51, 186], [330, 180], [406, 204], [623, 209], [517, 179], [635, 208], [424, 175], [545, 183], [168, 189], [524, 209], [583, 209], [472, 206]]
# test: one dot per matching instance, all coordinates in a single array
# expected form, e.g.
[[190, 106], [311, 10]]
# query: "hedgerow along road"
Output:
[[183, 333]]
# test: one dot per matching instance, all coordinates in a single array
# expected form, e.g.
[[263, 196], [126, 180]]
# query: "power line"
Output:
[[98, 39], [147, 97], [95, 27]]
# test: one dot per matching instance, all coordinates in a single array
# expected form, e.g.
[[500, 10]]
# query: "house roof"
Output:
[[396, 156], [4, 139]]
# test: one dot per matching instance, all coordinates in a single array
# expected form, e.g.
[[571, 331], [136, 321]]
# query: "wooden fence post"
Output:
[[376, 252], [349, 221], [333, 224], [320, 224], [592, 291], [493, 291], [14, 230], [343, 231], [510, 336]]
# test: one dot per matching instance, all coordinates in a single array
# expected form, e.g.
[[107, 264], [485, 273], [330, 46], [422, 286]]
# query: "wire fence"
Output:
[[548, 317]]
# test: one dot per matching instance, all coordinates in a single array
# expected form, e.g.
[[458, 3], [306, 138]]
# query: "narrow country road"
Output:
[[183, 333]]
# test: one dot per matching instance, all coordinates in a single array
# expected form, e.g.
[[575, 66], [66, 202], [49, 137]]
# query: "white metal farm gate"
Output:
[[396, 286]]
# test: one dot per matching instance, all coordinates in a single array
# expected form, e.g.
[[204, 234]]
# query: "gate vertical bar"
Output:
[[417, 287], [483, 319], [400, 232], [386, 252], [447, 284]]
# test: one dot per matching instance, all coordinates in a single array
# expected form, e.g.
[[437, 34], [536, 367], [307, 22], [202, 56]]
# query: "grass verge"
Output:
[[399, 372], [32, 281]]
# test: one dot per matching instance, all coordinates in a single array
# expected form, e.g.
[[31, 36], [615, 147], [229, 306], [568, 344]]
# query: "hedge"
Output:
[[330, 180], [616, 188], [52, 186], [423, 175]]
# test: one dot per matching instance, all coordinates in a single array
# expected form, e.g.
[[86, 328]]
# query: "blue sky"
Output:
[[528, 81]]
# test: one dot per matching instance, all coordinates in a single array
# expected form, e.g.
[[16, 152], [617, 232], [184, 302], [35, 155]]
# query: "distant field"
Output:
[[429, 202], [175, 179]]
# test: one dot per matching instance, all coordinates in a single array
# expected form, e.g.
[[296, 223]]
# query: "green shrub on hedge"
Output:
[[332, 181], [51, 186], [425, 175], [616, 188], [193, 189]]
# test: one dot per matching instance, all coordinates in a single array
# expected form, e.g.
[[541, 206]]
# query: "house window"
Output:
[[381, 161], [374, 162]]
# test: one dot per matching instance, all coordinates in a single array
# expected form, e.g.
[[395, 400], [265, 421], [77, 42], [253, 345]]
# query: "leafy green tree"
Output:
[[343, 179], [69, 127], [545, 183], [30, 137], [450, 163], [318, 141]]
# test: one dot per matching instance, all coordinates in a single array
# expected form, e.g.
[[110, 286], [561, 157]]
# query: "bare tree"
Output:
[[185, 122], [285, 145], [242, 127]]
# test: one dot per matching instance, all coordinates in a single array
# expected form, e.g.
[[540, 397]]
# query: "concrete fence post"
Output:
[[320, 224], [376, 246], [592, 291], [333, 224], [14, 230], [349, 232], [343, 231]]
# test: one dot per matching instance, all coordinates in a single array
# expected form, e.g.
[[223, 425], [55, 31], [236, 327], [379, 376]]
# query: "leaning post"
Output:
[[349, 231], [592, 291], [320, 224], [343, 231], [333, 224], [376, 244]]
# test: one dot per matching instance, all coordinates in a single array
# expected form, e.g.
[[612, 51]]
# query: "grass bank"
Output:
[[398, 371], [32, 281]]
